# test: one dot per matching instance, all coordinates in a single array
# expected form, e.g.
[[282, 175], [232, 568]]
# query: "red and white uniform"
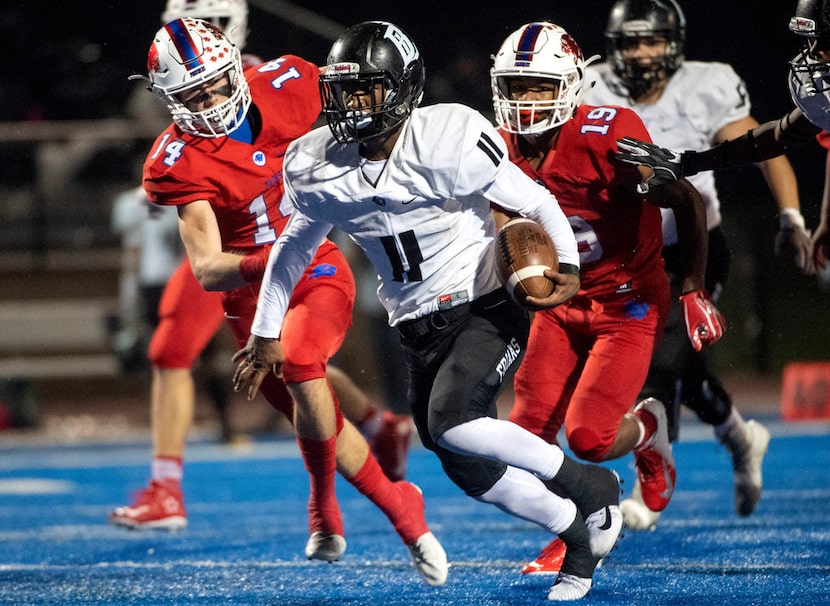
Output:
[[188, 315], [243, 183], [587, 360]]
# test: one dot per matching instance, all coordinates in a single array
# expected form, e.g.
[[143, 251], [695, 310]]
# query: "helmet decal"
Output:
[[153, 64], [405, 47], [185, 47], [527, 44], [570, 46]]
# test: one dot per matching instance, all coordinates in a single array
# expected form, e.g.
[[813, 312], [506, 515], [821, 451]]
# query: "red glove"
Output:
[[704, 323]]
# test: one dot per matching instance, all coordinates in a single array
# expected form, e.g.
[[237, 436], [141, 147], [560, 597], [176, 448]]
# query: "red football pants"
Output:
[[189, 317], [585, 365], [315, 325]]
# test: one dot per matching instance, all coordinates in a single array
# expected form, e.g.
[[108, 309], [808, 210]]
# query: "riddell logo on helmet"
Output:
[[802, 25], [342, 68]]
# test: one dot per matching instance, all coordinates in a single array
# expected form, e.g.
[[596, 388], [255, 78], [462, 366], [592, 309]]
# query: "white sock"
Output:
[[522, 494], [167, 469], [641, 426], [734, 418], [505, 442]]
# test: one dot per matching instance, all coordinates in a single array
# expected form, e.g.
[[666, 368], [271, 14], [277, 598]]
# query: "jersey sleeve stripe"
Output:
[[486, 145]]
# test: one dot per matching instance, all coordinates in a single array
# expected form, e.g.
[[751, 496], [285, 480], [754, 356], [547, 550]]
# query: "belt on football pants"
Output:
[[443, 318]]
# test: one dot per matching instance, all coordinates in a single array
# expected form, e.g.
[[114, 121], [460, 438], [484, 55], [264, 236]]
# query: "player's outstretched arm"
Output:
[[666, 164]]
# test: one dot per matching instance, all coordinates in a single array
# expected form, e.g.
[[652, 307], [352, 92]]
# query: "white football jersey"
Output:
[[425, 223], [699, 99]]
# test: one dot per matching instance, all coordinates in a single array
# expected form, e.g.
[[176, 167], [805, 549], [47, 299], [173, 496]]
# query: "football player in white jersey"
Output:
[[691, 104], [809, 90], [412, 187]]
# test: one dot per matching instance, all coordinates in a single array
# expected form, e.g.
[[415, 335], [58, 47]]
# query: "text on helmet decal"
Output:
[[802, 25], [404, 45], [346, 67]]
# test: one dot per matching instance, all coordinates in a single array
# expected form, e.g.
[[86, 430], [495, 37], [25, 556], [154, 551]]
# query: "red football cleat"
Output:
[[549, 560], [654, 460], [159, 506]]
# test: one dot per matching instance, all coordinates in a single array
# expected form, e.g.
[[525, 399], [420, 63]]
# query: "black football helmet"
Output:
[[810, 69], [632, 19], [812, 18], [366, 55]]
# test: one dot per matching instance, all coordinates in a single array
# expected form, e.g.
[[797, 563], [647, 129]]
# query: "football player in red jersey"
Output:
[[587, 359], [189, 317], [220, 164]]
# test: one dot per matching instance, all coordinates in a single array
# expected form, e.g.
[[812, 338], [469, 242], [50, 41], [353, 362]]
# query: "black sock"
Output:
[[591, 487], [578, 558]]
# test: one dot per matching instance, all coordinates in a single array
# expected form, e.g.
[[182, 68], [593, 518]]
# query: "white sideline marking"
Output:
[[26, 486]]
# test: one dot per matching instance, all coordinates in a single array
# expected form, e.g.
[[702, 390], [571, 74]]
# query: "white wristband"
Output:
[[790, 216]]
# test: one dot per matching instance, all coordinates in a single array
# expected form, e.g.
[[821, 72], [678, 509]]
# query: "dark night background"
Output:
[[71, 59]]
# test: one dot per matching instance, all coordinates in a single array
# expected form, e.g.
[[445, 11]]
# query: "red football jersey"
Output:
[[618, 233], [243, 182]]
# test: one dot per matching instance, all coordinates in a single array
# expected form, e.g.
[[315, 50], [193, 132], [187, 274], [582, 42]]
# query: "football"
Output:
[[523, 251]]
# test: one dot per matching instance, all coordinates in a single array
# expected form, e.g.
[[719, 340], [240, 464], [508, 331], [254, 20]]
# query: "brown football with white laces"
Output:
[[523, 251]]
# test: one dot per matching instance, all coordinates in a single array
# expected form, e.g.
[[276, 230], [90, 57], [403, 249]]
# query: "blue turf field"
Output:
[[248, 527]]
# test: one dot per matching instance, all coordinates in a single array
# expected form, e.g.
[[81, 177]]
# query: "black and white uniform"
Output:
[[424, 222]]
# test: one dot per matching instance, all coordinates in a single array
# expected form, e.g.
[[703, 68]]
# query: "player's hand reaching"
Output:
[[259, 357], [794, 239], [567, 285], [705, 324], [666, 164]]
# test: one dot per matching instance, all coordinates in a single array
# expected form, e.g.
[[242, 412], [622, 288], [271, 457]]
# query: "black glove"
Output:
[[667, 164]]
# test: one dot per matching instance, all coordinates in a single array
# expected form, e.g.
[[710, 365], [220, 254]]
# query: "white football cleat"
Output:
[[325, 546], [569, 587], [747, 443], [636, 515], [430, 559]]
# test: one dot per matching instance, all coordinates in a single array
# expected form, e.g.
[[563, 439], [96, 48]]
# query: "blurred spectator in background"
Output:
[[151, 249]]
